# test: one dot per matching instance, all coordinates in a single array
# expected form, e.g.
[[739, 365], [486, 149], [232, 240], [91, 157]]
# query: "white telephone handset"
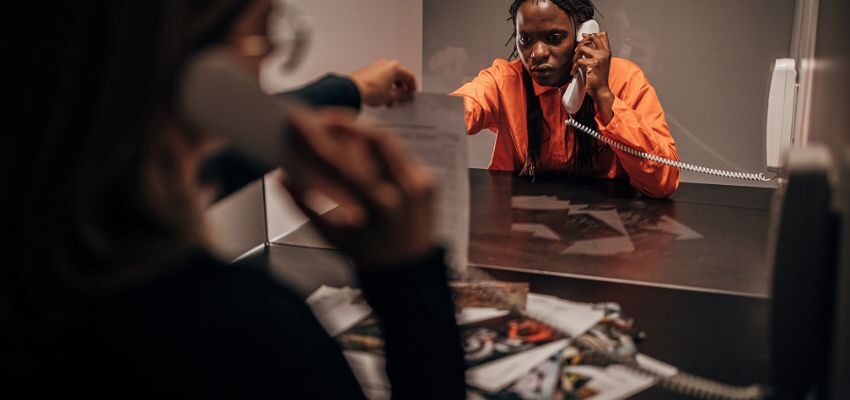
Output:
[[574, 95]]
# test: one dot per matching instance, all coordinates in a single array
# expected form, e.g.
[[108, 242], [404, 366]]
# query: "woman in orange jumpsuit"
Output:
[[520, 100]]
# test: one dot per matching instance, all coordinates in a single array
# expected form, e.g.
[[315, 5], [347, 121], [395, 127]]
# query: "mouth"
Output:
[[542, 69]]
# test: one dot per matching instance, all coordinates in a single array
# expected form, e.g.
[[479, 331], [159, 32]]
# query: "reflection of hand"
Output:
[[386, 199], [384, 82]]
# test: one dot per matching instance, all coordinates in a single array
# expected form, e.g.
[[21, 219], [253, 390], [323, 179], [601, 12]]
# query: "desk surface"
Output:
[[678, 291], [724, 250], [729, 257]]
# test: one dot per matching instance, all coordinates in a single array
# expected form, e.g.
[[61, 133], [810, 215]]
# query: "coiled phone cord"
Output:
[[682, 383], [677, 164]]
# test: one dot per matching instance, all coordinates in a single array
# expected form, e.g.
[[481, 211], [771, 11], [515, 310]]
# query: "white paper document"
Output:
[[569, 317], [496, 375], [338, 309], [611, 383], [369, 370], [434, 130]]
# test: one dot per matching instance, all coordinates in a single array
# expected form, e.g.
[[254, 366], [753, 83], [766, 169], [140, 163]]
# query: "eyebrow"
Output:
[[547, 31]]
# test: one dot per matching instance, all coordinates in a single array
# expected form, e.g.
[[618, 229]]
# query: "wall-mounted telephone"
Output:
[[574, 94]]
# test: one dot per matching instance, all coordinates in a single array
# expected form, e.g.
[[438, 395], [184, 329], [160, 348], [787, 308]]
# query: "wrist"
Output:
[[398, 261], [602, 96], [603, 101]]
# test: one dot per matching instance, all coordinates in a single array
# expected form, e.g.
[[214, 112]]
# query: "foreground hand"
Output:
[[384, 82], [386, 199]]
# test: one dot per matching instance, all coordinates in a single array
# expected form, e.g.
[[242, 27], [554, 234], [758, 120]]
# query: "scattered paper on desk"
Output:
[[434, 129], [567, 316], [474, 314], [610, 383], [369, 370], [496, 375], [541, 382], [338, 309]]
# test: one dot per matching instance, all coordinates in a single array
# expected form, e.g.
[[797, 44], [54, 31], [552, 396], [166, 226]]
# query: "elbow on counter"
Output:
[[661, 188]]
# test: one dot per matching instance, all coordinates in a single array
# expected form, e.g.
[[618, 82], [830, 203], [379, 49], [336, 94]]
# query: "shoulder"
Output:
[[504, 71], [500, 77], [626, 78], [624, 68]]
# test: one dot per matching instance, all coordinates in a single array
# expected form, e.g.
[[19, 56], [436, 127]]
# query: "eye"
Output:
[[523, 40], [556, 38]]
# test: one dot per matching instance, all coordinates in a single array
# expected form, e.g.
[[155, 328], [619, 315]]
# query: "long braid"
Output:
[[585, 148]]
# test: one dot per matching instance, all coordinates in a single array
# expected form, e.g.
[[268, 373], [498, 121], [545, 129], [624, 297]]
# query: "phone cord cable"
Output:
[[677, 164]]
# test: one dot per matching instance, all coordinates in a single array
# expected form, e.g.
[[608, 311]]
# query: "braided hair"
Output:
[[585, 148]]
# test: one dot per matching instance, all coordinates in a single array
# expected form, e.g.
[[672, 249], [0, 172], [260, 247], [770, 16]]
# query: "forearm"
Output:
[[330, 90], [415, 308], [645, 133]]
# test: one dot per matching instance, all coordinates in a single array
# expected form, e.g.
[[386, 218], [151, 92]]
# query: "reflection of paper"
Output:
[[434, 129], [539, 203], [496, 375], [601, 247], [337, 309], [674, 227], [569, 317], [538, 230], [609, 217], [613, 382]]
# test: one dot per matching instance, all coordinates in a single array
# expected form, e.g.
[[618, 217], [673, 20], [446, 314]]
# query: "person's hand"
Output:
[[386, 199], [384, 82], [593, 56]]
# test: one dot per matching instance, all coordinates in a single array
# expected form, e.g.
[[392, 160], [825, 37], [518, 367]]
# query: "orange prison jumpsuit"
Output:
[[495, 100]]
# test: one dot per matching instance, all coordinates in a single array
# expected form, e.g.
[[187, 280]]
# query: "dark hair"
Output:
[[585, 148], [98, 201]]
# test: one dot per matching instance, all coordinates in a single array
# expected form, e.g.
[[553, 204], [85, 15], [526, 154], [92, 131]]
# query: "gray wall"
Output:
[[708, 60], [829, 107]]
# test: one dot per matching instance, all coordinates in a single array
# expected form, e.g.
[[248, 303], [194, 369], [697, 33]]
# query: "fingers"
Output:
[[600, 41], [591, 52], [403, 83], [299, 197], [334, 160], [583, 63]]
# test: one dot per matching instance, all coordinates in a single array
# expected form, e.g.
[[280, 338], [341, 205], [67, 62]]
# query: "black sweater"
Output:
[[211, 330]]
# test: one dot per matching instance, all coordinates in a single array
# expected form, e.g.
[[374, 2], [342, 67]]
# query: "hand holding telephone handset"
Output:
[[358, 166], [574, 96], [576, 90]]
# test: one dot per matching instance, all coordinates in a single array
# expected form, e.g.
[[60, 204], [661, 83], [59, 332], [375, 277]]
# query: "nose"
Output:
[[539, 52]]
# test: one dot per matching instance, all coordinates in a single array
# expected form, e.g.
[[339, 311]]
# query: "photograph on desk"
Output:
[[494, 338], [483, 341], [565, 376]]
